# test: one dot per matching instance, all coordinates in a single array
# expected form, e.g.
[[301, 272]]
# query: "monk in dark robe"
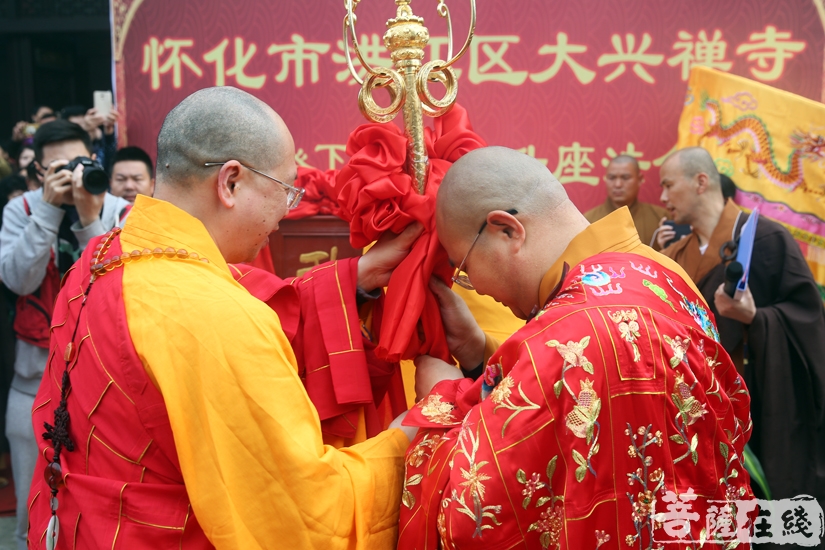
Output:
[[775, 333]]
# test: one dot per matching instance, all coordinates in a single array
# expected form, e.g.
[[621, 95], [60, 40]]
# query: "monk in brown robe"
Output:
[[775, 333], [623, 179]]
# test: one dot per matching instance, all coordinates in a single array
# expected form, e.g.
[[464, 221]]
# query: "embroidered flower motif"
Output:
[[502, 390], [436, 410], [650, 482], [690, 409], [474, 479], [501, 397], [643, 506], [549, 526], [465, 430], [532, 485], [601, 538], [419, 454], [441, 522], [679, 347], [573, 353], [584, 414], [711, 361], [627, 321]]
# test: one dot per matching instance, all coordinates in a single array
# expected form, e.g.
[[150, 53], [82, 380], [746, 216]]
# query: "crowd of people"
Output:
[[47, 221], [174, 392]]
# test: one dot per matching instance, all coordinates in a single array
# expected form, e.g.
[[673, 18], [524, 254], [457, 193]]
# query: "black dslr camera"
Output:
[[95, 180]]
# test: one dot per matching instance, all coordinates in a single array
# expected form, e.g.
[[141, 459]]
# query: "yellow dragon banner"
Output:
[[772, 144]]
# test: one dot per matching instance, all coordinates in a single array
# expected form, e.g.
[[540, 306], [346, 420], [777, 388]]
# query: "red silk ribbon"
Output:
[[376, 194]]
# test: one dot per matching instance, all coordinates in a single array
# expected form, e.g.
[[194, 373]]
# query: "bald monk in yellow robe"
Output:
[[187, 424], [623, 179]]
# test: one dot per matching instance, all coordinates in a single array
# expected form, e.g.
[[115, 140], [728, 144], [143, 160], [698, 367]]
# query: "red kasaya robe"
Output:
[[592, 427], [123, 478], [135, 471], [342, 375]]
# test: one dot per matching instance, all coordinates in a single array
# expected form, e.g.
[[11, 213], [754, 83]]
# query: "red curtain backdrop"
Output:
[[571, 83]]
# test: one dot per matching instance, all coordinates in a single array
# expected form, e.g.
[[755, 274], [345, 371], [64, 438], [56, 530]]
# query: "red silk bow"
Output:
[[375, 194], [320, 195]]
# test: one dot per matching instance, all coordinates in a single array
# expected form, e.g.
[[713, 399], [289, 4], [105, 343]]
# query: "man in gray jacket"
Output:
[[43, 233]]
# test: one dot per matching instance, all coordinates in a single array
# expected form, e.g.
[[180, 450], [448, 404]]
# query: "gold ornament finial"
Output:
[[406, 38]]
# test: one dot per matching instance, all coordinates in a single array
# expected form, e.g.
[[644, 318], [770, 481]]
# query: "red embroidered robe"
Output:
[[616, 398]]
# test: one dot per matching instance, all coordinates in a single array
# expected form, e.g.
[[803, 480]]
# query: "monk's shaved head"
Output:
[[695, 160], [625, 159], [525, 217], [495, 178], [692, 189], [216, 125]]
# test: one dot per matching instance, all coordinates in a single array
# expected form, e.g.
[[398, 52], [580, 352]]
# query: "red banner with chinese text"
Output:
[[571, 83]]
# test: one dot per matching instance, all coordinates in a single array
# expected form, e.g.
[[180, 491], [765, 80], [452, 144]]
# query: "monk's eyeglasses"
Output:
[[293, 194], [462, 279]]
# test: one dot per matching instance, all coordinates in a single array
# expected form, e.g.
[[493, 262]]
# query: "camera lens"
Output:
[[95, 180]]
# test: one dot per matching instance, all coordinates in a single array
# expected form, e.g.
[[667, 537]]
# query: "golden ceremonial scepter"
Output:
[[406, 38]]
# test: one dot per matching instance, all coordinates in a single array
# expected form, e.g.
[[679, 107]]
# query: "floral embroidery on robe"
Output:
[[594, 414]]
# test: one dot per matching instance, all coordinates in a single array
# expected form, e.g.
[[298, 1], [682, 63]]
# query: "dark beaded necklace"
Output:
[[58, 433]]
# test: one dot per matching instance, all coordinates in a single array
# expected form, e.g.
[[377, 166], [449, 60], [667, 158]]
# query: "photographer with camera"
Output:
[[101, 128], [43, 233]]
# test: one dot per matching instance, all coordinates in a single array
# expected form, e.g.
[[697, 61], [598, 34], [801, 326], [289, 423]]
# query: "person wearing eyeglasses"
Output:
[[622, 180], [615, 395], [176, 408]]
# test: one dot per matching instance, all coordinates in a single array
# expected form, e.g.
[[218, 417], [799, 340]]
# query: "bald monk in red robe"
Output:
[[172, 412], [612, 407]]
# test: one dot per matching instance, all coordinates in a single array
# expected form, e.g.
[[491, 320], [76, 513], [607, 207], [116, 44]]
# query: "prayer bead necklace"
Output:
[[99, 266], [59, 433]]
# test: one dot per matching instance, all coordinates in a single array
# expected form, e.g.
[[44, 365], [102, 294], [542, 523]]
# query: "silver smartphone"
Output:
[[103, 102]]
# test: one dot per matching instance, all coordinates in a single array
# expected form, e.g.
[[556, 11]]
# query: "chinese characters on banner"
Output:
[[573, 87]]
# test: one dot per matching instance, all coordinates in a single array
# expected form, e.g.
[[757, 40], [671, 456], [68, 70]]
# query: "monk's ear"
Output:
[[702, 182], [229, 180], [506, 226]]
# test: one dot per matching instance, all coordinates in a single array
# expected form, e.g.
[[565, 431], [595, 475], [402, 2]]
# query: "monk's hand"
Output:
[[665, 233], [408, 430], [742, 310], [376, 266], [465, 338], [429, 371]]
